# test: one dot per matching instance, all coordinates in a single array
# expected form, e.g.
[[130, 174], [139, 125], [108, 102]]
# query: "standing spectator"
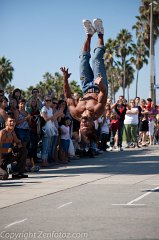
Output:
[[35, 97], [137, 104], [23, 119], [65, 140], [114, 126], [144, 122], [3, 114], [55, 139], [148, 104], [105, 131], [152, 120], [131, 125], [12, 109], [34, 112], [16, 95], [120, 108], [49, 129]]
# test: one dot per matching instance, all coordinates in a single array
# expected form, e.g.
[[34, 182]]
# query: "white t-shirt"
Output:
[[65, 132], [131, 118], [48, 111]]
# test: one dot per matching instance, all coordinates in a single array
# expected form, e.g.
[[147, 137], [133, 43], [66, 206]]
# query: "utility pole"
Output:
[[152, 57]]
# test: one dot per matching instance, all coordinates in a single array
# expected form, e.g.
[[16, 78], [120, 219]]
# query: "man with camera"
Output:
[[11, 150], [120, 107]]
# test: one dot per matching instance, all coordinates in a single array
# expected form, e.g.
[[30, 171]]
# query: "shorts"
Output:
[[65, 144]]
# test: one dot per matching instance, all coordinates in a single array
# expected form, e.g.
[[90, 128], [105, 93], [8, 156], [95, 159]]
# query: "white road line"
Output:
[[131, 203], [64, 205], [125, 204], [142, 196], [17, 222]]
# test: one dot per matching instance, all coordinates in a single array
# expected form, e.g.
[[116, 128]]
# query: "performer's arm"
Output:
[[66, 75], [102, 96]]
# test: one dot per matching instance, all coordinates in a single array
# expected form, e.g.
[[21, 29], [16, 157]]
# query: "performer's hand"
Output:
[[65, 72], [99, 82]]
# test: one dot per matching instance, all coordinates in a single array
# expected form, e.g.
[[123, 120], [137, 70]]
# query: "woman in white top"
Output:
[[131, 124], [49, 130]]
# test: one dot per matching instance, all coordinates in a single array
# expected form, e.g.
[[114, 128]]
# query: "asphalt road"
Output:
[[113, 196]]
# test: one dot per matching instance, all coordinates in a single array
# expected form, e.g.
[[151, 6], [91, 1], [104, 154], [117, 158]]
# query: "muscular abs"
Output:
[[88, 106]]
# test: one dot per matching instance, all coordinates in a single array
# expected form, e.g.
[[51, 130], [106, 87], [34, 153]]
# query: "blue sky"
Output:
[[40, 36]]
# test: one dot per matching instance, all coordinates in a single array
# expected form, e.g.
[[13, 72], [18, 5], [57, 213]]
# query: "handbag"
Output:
[[71, 149], [49, 128]]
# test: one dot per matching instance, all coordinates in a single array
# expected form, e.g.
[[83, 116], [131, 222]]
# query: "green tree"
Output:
[[123, 50], [6, 72], [144, 20], [111, 67], [139, 58]]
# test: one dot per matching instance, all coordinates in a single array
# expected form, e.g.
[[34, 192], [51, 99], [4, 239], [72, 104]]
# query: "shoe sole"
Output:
[[98, 25], [88, 27]]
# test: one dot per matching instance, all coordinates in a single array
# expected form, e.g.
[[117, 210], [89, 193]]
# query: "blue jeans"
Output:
[[53, 143], [46, 147], [88, 74]]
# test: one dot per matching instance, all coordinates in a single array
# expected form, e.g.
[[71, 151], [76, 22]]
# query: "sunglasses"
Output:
[[48, 100], [55, 103]]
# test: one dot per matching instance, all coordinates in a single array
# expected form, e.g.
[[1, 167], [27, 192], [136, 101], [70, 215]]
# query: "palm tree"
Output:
[[140, 54], [145, 20], [147, 30], [9, 90], [6, 72], [129, 74], [123, 50], [111, 66], [75, 87]]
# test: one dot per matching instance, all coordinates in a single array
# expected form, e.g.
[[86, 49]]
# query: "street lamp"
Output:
[[152, 56]]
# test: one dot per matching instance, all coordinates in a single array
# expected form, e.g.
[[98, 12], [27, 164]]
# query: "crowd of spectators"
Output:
[[47, 134]]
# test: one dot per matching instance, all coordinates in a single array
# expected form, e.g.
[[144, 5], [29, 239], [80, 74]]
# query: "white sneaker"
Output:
[[110, 149], [88, 27], [98, 25]]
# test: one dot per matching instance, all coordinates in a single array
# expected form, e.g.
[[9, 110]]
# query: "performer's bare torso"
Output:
[[88, 106]]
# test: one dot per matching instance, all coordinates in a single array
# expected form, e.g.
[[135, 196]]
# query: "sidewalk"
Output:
[[77, 172]]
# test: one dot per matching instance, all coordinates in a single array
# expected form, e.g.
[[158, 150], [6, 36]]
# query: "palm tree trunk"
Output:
[[137, 81], [124, 78], [128, 87]]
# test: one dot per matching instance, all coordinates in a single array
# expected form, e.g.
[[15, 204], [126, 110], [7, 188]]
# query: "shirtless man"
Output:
[[93, 80], [8, 139]]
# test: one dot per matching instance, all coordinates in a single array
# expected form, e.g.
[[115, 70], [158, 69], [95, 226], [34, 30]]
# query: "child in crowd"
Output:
[[64, 140], [114, 123], [105, 131]]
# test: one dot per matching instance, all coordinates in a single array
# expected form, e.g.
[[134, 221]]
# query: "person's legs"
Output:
[[21, 160], [120, 133], [98, 60], [86, 73], [112, 138], [128, 133], [134, 133]]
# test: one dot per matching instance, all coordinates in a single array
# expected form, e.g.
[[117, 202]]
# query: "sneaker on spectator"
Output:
[[110, 149], [98, 25], [127, 146], [88, 27], [120, 148]]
